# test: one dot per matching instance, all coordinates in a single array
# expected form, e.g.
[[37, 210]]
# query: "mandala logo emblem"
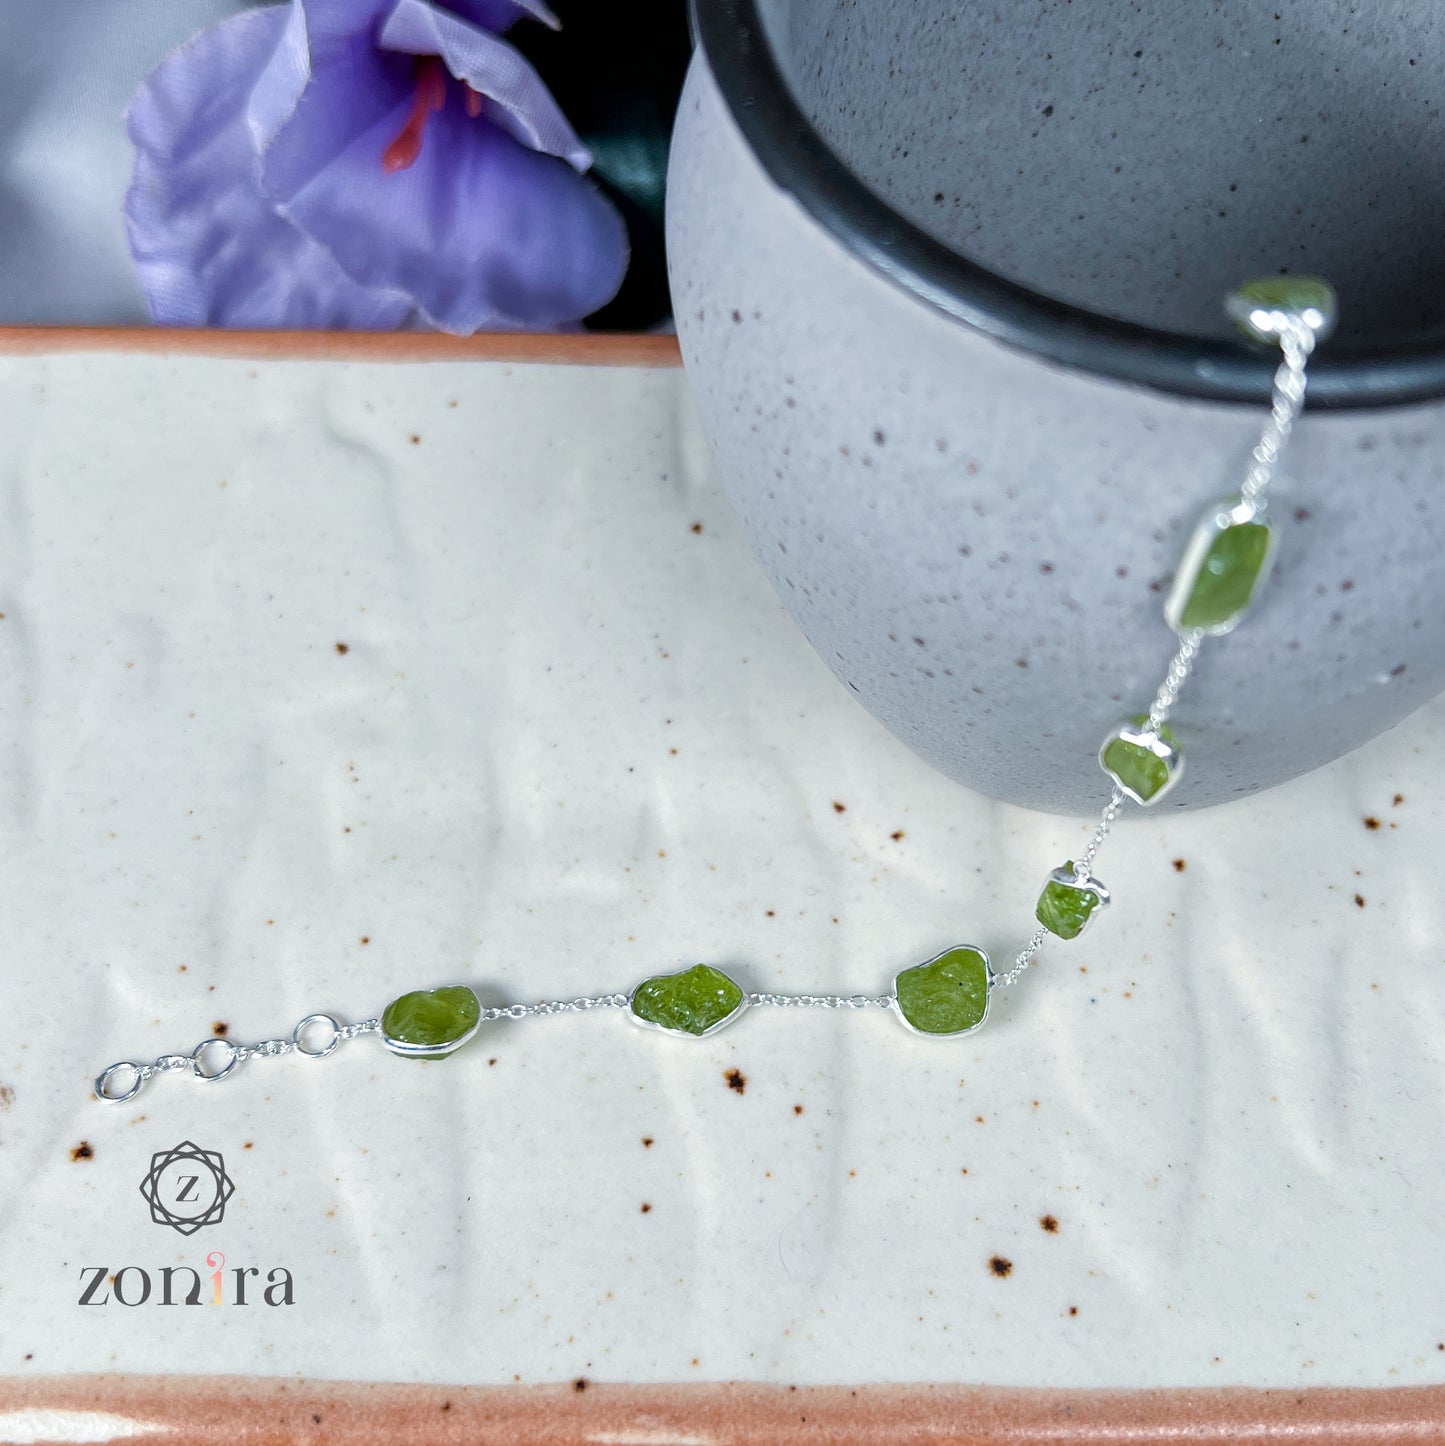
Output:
[[187, 1187]]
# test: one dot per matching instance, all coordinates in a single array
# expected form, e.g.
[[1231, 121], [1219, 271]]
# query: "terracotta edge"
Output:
[[572, 349], [165, 1410]]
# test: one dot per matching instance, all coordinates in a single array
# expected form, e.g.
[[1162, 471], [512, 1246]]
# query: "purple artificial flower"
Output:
[[365, 164]]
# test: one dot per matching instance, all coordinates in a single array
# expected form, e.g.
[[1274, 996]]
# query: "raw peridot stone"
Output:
[[1257, 306], [1065, 908], [693, 1001], [1138, 768], [430, 1023], [1227, 577], [948, 995]]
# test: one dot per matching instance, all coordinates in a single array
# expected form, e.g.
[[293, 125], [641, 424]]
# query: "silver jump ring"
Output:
[[298, 1035], [198, 1067], [102, 1082]]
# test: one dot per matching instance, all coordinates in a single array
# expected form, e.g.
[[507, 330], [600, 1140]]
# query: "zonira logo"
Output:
[[134, 1285]]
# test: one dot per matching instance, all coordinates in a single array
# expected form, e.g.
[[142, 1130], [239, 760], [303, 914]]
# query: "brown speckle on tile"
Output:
[[1048, 1224], [82, 1151], [220, 1029], [1360, 901], [1397, 800], [1073, 1310], [697, 527], [415, 439], [839, 807], [896, 835], [647, 1142], [646, 1206], [1000, 1265], [366, 938], [1372, 823], [249, 1145], [7, 1097], [580, 1384], [343, 648], [736, 1079], [797, 1109], [1180, 866]]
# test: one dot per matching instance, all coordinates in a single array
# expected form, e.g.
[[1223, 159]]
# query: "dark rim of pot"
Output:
[[801, 163]]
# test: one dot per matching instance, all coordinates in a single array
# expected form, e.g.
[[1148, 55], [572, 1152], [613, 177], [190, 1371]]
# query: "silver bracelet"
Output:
[[1224, 564]]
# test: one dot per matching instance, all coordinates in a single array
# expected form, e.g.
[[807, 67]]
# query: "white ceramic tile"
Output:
[[574, 741]]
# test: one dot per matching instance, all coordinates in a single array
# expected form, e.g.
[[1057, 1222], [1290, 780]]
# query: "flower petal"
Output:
[[352, 86], [499, 15], [281, 81], [328, 19], [522, 104], [480, 230], [210, 250]]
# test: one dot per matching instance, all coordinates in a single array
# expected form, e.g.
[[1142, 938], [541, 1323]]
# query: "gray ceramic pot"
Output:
[[948, 285]]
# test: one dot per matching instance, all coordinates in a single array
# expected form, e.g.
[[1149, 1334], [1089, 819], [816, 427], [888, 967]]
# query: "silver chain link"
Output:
[[1179, 669], [824, 1001], [557, 1006], [1286, 403], [216, 1058]]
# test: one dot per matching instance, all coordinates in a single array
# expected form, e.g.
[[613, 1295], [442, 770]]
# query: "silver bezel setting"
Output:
[[1268, 323], [1216, 520], [989, 978], [1085, 884], [1142, 735], [408, 1050], [713, 1028]]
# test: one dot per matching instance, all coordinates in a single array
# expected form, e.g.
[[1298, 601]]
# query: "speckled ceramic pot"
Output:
[[948, 284]]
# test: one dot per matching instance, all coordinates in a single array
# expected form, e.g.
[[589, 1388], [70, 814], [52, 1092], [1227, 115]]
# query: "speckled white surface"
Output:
[[574, 740]]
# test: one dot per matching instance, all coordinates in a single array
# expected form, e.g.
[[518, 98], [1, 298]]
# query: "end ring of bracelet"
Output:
[[106, 1076]]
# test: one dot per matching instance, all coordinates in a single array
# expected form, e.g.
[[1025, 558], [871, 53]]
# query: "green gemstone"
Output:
[[692, 1001], [1227, 577], [1064, 909], [1307, 297], [1136, 767], [948, 995], [437, 1018]]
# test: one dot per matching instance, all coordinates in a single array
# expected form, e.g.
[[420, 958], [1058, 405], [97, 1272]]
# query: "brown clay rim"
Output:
[[578, 349], [168, 1410]]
